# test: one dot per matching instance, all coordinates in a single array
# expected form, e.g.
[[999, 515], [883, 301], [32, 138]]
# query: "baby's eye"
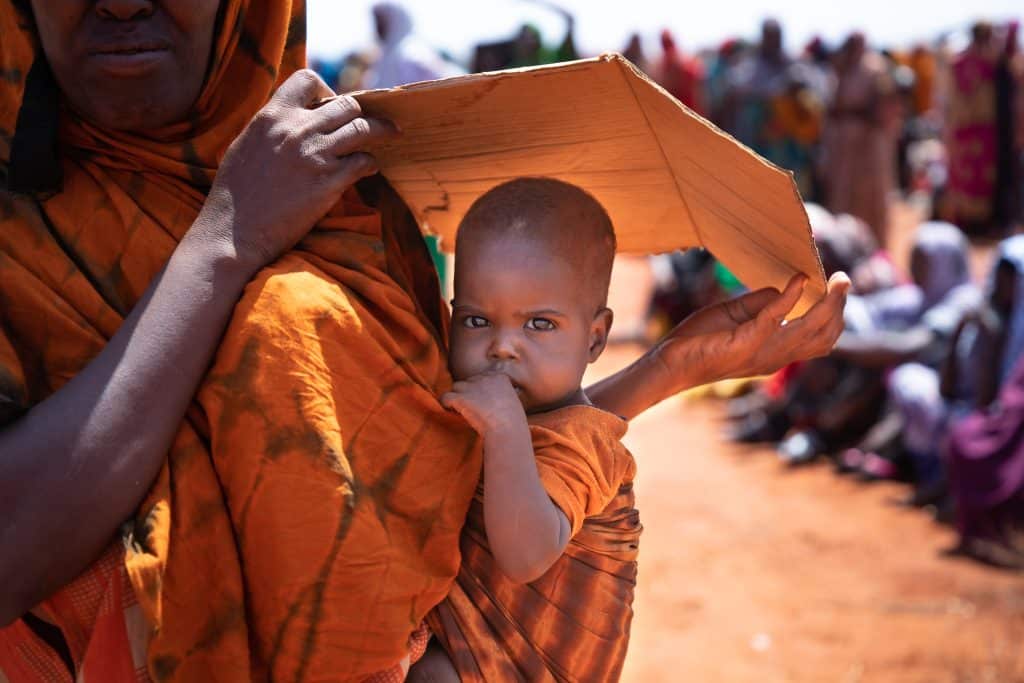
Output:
[[474, 321], [540, 324]]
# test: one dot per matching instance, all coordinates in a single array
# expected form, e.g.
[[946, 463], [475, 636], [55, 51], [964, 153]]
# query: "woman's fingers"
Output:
[[755, 302], [353, 167], [357, 135], [302, 89], [775, 311], [830, 309], [334, 114], [817, 330]]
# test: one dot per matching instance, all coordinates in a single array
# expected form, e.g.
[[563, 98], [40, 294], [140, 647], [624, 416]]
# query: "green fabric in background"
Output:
[[726, 280], [440, 262]]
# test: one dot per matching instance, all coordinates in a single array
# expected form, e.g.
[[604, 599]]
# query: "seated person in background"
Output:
[[985, 455], [555, 506], [914, 322], [826, 403], [983, 349]]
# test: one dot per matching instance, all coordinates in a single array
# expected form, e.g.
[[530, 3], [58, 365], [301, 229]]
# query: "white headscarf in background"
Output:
[[941, 300], [1012, 250], [945, 247], [404, 58]]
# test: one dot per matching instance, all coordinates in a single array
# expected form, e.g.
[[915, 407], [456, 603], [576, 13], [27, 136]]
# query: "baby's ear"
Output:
[[599, 330]]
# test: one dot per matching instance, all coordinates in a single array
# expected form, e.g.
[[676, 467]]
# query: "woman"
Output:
[[295, 497], [972, 133], [986, 463], [681, 75], [754, 81], [836, 400], [1009, 117], [913, 329], [979, 356], [404, 58], [859, 155]]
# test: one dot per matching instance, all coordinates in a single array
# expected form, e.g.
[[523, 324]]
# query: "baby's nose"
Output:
[[502, 348]]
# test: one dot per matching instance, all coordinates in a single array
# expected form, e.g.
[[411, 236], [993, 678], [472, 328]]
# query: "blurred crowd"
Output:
[[927, 383], [852, 122]]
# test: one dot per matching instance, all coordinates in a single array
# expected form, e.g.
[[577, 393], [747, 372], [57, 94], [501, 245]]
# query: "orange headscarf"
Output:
[[307, 516]]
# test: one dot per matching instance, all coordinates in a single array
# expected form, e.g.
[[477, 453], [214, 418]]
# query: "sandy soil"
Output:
[[750, 571]]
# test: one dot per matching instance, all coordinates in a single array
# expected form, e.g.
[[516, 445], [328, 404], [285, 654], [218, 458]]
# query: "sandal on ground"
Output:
[[850, 460], [800, 448], [876, 468]]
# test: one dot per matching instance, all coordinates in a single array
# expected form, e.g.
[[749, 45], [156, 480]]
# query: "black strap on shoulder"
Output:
[[52, 636], [34, 168]]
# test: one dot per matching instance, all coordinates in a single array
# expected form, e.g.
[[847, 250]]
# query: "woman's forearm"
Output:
[[882, 349], [77, 464], [641, 385]]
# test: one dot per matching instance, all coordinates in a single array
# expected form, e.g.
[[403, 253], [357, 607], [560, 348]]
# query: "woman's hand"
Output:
[[749, 335], [287, 169], [742, 337]]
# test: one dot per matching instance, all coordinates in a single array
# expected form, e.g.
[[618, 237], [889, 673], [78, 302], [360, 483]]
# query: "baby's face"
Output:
[[524, 312]]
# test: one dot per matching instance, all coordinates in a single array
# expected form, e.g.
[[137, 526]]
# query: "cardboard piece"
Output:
[[668, 178]]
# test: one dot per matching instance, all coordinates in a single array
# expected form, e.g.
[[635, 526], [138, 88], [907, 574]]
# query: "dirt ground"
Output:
[[750, 571]]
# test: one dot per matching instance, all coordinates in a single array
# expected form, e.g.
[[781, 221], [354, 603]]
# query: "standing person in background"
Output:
[[634, 52], [719, 73], [924, 65], [754, 83], [1009, 74], [971, 138], [527, 47], [859, 155], [403, 57], [680, 74], [795, 128]]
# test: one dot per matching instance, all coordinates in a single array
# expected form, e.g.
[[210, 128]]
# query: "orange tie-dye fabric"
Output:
[[571, 624], [308, 513]]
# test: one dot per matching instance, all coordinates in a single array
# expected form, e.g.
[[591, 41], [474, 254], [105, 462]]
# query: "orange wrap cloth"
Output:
[[308, 513], [571, 624]]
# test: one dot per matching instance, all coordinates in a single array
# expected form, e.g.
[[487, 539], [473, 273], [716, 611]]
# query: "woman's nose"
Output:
[[124, 9]]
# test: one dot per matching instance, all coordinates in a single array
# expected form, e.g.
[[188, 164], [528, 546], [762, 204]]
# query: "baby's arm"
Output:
[[527, 532]]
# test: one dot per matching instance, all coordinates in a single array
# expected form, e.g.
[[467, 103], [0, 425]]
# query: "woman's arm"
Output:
[[74, 467], [883, 349], [742, 337], [525, 529]]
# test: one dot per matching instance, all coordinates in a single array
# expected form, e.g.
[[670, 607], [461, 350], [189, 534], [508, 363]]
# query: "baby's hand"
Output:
[[488, 402]]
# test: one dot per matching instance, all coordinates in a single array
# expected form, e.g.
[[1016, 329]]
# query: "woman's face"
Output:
[[128, 64]]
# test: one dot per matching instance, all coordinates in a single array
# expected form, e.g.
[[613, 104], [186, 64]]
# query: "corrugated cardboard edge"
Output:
[[422, 213], [633, 75]]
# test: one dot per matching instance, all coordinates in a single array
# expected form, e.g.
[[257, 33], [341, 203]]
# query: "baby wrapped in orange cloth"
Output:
[[549, 550]]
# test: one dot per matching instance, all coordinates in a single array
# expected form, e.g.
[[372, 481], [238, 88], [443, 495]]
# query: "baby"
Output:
[[555, 507]]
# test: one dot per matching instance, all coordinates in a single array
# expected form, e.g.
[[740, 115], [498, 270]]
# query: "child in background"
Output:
[[549, 549]]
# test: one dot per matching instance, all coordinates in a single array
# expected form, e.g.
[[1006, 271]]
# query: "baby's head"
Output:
[[533, 258]]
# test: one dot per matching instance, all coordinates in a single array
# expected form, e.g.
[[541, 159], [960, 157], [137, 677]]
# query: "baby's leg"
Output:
[[433, 667]]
